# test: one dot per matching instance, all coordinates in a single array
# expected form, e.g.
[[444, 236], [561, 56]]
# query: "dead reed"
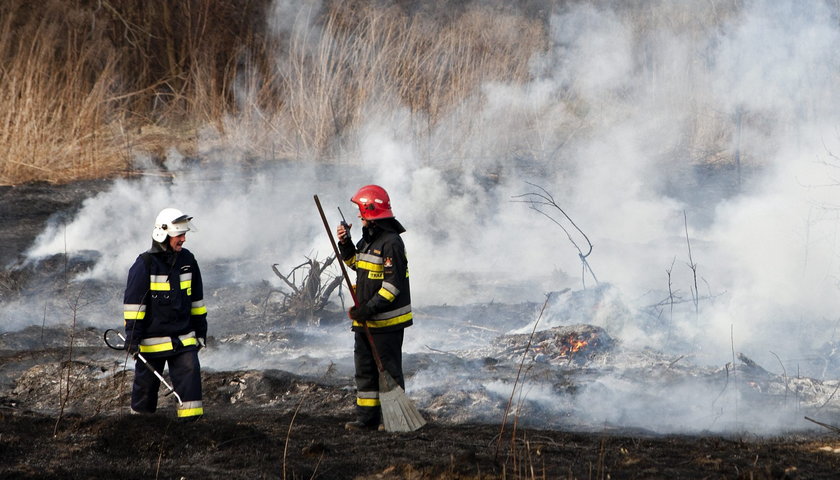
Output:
[[83, 82]]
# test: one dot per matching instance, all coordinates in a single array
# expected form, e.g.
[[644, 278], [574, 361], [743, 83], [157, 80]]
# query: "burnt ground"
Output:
[[293, 428], [63, 414], [273, 424]]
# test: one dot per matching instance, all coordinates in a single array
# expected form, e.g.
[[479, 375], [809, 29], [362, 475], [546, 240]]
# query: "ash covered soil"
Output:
[[64, 397]]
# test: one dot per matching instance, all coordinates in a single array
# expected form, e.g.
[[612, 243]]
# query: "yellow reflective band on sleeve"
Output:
[[185, 284], [134, 311], [198, 308], [391, 288], [189, 341], [367, 402], [386, 295], [134, 315], [351, 262]]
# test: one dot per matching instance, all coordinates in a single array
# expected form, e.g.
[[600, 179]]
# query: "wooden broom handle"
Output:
[[349, 284]]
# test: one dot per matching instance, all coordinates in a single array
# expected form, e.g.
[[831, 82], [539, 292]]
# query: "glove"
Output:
[[202, 343], [360, 314]]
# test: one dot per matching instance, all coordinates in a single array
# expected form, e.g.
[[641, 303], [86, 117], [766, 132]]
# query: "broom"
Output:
[[398, 412]]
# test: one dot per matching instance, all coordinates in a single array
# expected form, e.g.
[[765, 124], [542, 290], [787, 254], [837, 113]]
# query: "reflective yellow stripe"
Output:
[[376, 275], [367, 402], [191, 409], [387, 295], [134, 315], [351, 262], [158, 282], [198, 308], [191, 412], [391, 288], [160, 347], [148, 345], [185, 284], [373, 267], [386, 322]]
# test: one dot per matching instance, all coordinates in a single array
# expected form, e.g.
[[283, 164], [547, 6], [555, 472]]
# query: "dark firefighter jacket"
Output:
[[381, 276], [163, 305]]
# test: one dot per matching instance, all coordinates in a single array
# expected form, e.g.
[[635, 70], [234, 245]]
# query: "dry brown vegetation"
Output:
[[87, 84]]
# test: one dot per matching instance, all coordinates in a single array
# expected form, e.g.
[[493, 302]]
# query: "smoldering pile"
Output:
[[485, 361]]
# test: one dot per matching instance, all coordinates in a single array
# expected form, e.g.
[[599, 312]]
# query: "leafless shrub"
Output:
[[542, 199], [309, 293]]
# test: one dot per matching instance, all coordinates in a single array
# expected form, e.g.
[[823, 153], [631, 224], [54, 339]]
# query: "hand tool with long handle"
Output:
[[398, 412], [145, 362]]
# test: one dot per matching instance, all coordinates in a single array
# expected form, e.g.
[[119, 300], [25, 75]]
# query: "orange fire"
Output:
[[572, 345], [577, 344]]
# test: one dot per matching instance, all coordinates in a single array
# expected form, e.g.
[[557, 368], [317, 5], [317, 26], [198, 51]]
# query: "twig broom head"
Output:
[[398, 412]]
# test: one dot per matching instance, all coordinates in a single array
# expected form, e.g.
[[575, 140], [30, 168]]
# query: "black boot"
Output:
[[358, 425]]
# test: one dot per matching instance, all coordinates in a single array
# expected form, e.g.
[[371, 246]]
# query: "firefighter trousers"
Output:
[[389, 347], [185, 374]]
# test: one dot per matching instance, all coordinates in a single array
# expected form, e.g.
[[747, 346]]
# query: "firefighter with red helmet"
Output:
[[165, 317], [382, 291]]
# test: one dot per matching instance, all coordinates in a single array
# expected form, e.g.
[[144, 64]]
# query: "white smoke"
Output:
[[604, 127]]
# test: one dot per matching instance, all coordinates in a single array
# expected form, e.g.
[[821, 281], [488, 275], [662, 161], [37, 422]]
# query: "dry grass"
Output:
[[55, 120], [356, 59], [83, 82], [86, 85]]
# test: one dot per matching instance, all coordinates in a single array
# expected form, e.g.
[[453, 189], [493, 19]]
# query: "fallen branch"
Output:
[[830, 427]]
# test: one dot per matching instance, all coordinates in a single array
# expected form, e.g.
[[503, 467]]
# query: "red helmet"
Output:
[[373, 202]]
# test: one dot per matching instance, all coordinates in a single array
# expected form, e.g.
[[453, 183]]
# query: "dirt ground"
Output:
[[64, 415], [307, 440]]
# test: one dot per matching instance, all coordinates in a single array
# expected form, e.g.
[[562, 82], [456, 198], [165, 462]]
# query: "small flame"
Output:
[[577, 344], [572, 344]]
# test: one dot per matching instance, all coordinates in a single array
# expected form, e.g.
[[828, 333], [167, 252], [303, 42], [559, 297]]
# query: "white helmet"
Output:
[[171, 222]]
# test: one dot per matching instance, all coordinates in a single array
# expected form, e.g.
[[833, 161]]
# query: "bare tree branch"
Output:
[[537, 201]]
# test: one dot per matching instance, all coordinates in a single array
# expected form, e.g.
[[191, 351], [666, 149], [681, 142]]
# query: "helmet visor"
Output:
[[182, 224]]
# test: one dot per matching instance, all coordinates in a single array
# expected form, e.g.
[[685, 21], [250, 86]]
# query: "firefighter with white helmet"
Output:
[[165, 316], [170, 222], [384, 297]]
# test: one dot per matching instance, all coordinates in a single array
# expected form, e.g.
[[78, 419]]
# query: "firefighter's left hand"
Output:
[[360, 313], [133, 348], [343, 232], [202, 343]]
